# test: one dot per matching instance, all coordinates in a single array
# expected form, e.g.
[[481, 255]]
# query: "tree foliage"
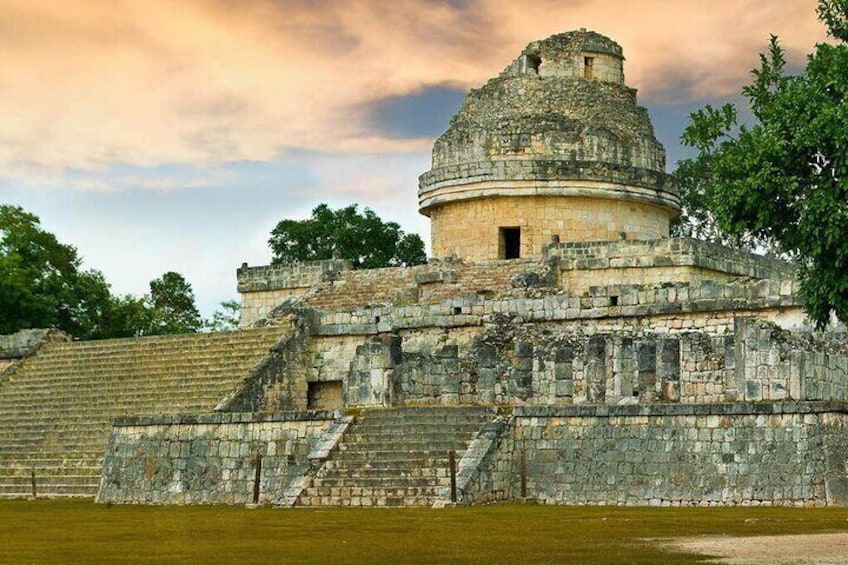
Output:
[[42, 285], [227, 318], [782, 182], [361, 237], [41, 281], [171, 303]]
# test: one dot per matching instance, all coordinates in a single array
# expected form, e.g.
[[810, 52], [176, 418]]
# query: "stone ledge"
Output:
[[225, 418], [721, 409]]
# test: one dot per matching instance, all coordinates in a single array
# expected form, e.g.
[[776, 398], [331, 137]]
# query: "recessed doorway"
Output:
[[509, 243]]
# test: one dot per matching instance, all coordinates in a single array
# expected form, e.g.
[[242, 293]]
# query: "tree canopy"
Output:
[[171, 302], [41, 282], [361, 237], [42, 285], [782, 181]]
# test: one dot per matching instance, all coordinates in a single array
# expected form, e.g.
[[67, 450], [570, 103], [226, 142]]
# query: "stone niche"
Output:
[[324, 395]]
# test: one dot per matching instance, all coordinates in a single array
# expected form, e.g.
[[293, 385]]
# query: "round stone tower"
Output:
[[554, 146]]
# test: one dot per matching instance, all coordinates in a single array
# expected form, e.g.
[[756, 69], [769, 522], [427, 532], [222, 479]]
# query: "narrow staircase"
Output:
[[395, 457]]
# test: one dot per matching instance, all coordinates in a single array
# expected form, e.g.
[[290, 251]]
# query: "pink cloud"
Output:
[[205, 81]]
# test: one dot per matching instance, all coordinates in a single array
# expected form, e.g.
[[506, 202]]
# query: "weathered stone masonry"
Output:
[[791, 453], [560, 348], [209, 458]]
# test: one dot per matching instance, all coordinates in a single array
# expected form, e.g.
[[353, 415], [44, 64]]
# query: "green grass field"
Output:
[[82, 532]]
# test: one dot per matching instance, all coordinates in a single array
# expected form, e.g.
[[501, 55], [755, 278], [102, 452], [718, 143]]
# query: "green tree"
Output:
[[41, 281], [783, 180], [361, 237], [172, 307], [126, 316], [227, 318]]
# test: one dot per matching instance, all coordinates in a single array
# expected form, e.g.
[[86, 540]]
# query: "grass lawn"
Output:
[[79, 531]]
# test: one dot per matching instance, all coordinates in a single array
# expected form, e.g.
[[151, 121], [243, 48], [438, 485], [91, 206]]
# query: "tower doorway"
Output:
[[509, 243]]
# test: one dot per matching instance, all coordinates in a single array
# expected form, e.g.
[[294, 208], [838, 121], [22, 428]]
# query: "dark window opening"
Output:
[[613, 301], [510, 243], [589, 67], [533, 63], [635, 394], [457, 310], [376, 319]]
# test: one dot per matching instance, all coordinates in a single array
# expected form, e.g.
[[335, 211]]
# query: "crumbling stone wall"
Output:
[[668, 268], [277, 381], [264, 288], [723, 454], [208, 458], [738, 454]]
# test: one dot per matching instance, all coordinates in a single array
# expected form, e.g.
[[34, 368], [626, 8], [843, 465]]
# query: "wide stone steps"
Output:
[[395, 457], [56, 407]]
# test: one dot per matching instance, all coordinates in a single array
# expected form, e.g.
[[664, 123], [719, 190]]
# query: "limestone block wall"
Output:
[[582, 269], [513, 366], [603, 309], [264, 288], [680, 260], [724, 454], [735, 454], [470, 228], [208, 458], [613, 345], [506, 361]]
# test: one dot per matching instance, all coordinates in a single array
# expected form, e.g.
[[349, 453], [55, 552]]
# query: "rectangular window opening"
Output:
[[509, 243], [613, 300], [457, 309], [589, 67]]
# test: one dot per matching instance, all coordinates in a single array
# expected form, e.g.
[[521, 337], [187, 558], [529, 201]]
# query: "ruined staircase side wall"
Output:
[[16, 347], [263, 288], [276, 382], [208, 458], [736, 454]]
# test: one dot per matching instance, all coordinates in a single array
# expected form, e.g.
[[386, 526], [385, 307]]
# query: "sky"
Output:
[[172, 135]]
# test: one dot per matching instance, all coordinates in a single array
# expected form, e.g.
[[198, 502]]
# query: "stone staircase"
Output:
[[395, 457], [56, 407]]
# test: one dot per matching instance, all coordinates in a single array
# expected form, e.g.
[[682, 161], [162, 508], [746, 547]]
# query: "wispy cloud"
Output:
[[100, 82]]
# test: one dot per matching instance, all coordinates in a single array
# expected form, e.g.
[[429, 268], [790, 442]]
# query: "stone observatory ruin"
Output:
[[558, 348], [554, 146]]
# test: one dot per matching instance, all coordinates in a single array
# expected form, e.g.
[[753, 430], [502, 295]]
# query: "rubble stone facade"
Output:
[[554, 146]]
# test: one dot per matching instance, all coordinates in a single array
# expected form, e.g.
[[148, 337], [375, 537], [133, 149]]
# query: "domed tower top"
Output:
[[573, 54], [555, 145]]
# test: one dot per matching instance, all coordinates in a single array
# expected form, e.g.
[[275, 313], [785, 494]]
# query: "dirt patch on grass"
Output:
[[813, 549]]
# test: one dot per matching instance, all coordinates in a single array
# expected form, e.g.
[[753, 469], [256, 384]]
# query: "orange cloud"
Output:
[[92, 83]]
